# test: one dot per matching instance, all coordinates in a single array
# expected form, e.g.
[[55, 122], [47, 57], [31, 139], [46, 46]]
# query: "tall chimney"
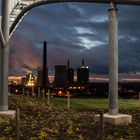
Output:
[[45, 73]]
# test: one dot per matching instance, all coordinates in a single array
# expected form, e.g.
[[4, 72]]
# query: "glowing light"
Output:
[[30, 81], [30, 84]]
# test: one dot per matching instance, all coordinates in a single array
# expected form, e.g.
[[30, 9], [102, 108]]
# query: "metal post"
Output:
[[17, 123], [38, 91], [1, 102], [102, 125], [4, 57], [68, 94], [23, 90], [48, 96], [113, 60]]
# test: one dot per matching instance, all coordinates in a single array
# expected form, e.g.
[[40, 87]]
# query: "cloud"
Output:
[[75, 31], [23, 55]]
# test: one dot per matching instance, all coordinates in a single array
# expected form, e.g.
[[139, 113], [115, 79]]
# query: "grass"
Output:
[[38, 121], [92, 104]]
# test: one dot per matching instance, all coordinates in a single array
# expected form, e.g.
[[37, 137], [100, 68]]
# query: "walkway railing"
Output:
[[13, 3]]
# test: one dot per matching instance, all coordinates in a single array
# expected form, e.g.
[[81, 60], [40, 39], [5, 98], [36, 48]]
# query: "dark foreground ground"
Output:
[[40, 122]]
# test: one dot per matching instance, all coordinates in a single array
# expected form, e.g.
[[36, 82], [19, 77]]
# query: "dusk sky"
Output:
[[75, 31]]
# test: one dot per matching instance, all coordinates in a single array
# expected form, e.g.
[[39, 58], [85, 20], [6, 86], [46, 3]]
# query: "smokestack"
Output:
[[82, 62], [44, 76], [68, 65]]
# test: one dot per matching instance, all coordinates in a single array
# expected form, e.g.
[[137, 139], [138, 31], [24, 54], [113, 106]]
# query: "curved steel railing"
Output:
[[20, 7], [13, 3]]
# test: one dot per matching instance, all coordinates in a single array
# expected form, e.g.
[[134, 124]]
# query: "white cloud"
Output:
[[88, 43], [98, 18], [81, 30]]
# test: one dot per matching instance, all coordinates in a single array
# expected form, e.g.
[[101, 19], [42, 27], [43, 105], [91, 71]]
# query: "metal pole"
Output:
[[113, 60], [17, 124], [68, 94], [48, 96], [4, 56], [23, 90], [38, 91], [0, 67], [102, 125]]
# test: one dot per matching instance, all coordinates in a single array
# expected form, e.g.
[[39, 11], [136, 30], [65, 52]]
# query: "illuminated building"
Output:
[[70, 73], [83, 74], [29, 80], [60, 78]]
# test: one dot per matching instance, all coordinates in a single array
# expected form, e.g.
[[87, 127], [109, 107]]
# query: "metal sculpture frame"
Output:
[[13, 12]]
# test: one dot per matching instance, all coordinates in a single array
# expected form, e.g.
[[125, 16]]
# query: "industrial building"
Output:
[[83, 74], [60, 78], [70, 73], [29, 80]]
